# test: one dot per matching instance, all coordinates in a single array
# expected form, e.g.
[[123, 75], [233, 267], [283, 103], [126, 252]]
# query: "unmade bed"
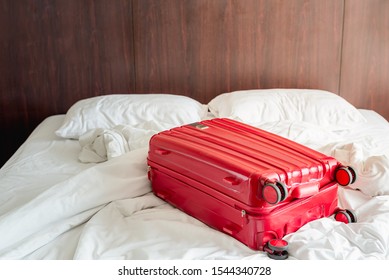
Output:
[[78, 187]]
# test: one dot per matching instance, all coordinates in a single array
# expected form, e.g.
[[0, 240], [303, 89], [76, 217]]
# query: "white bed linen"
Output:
[[54, 207]]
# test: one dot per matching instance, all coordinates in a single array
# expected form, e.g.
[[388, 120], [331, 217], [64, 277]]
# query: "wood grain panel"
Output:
[[365, 59], [202, 48], [56, 52]]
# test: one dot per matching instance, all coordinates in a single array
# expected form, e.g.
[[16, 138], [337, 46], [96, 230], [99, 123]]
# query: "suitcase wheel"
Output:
[[277, 249], [352, 215], [274, 193], [345, 175], [346, 216]]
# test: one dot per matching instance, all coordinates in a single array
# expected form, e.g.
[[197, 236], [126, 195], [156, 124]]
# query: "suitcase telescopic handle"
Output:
[[305, 190]]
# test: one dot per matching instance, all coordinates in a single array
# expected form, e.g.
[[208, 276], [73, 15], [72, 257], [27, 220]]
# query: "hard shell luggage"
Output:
[[249, 183]]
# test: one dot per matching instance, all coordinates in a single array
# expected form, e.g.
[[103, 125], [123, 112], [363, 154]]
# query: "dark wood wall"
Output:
[[207, 47], [55, 52], [365, 55]]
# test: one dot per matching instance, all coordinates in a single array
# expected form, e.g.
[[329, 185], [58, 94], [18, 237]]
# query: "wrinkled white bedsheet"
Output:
[[52, 206], [98, 145]]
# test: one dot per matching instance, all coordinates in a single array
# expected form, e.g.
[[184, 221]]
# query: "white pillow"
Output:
[[268, 105], [108, 111]]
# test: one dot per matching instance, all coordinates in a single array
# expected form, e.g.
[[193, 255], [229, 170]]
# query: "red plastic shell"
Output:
[[216, 171]]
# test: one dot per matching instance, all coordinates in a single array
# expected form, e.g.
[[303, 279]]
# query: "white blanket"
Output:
[[367, 153], [107, 210], [70, 203], [98, 145]]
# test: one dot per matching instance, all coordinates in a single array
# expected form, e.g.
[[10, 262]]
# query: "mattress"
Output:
[[55, 206]]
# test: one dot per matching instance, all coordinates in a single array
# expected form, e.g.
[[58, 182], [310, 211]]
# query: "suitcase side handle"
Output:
[[232, 180]]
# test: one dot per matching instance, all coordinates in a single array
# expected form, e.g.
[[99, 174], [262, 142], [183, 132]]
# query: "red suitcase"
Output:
[[249, 183]]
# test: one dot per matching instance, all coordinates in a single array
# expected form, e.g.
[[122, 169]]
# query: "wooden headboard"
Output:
[[56, 52]]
